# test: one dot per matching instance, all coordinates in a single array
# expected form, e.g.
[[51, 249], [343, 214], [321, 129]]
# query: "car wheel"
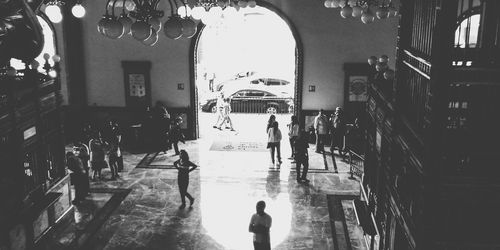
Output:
[[271, 110], [213, 109]]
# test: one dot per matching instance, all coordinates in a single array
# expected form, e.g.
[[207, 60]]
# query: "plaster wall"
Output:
[[328, 41], [105, 82]]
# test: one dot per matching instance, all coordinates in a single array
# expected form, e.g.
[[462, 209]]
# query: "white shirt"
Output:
[[321, 125], [264, 220], [226, 108], [293, 130], [271, 137]]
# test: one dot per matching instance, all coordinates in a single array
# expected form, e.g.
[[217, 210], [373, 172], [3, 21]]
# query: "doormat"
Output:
[[239, 146], [158, 161]]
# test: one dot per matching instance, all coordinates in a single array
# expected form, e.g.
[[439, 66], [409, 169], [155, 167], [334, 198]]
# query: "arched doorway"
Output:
[[199, 71]]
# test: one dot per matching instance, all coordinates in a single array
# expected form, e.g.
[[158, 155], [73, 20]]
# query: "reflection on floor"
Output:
[[226, 187], [86, 218]]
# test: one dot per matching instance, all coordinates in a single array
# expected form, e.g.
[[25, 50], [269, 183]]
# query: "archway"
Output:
[[199, 70]]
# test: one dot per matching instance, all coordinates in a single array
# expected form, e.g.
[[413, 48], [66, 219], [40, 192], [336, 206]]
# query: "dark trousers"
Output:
[[183, 185], [120, 163], [79, 180], [304, 162], [211, 85], [262, 246], [113, 165], [320, 142], [292, 144], [86, 182], [275, 146], [176, 147]]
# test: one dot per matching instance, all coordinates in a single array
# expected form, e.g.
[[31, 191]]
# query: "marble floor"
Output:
[[226, 187]]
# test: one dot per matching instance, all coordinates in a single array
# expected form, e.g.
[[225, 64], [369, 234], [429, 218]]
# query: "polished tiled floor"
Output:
[[226, 187]]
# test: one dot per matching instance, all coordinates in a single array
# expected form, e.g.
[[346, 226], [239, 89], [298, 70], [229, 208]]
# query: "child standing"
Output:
[[184, 166]]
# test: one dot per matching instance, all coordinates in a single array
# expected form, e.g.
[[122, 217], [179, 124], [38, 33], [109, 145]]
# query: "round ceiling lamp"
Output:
[[53, 12], [357, 11], [126, 22], [173, 27], [198, 12], [78, 11], [366, 9], [141, 30], [155, 23], [102, 23], [346, 12], [153, 39], [188, 28], [184, 11], [113, 29], [367, 17]]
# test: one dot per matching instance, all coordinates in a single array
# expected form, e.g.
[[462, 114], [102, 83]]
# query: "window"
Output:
[[273, 82], [467, 32], [255, 94], [49, 47], [241, 93]]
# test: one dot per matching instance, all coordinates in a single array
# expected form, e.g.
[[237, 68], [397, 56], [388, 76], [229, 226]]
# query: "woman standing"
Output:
[[113, 157], [270, 122], [273, 141], [293, 133], [184, 166], [97, 154]]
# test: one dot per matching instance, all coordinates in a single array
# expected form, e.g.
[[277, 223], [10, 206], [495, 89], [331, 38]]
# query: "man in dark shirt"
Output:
[[78, 174], [301, 156]]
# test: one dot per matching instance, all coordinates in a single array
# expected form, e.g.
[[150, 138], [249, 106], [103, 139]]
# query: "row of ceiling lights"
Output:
[[141, 19], [53, 10], [366, 9]]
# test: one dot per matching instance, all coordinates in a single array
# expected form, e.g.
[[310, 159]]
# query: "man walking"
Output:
[[260, 223]]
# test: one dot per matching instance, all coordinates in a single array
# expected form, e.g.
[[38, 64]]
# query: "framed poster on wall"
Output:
[[137, 82], [358, 88], [355, 89]]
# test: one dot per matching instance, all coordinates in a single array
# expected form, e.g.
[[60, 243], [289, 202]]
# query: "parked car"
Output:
[[252, 100], [243, 82], [270, 81]]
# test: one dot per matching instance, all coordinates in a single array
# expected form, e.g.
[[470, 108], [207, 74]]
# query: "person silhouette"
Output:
[[184, 166], [260, 224]]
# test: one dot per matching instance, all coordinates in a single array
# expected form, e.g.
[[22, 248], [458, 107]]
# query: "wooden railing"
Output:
[[357, 165], [413, 98]]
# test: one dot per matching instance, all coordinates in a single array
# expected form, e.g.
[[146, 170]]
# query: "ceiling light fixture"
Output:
[[366, 9], [141, 18]]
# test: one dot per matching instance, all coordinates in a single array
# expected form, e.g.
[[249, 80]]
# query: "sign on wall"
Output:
[[358, 88], [355, 90], [137, 83], [30, 132]]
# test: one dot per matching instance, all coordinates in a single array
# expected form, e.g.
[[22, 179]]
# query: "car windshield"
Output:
[[251, 93]]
